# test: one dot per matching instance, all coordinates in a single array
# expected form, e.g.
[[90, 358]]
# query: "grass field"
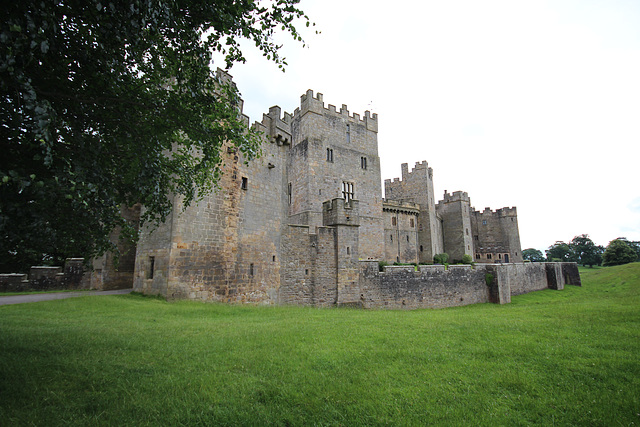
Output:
[[567, 357]]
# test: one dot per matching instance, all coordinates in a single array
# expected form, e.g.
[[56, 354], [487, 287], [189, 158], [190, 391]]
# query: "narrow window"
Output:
[[289, 193], [347, 191], [245, 183], [391, 237], [348, 250], [475, 237], [393, 220], [467, 231], [348, 133], [421, 248], [329, 155], [488, 256], [274, 258], [499, 256], [306, 272], [411, 223], [407, 237], [477, 256], [152, 264], [363, 162], [251, 269]]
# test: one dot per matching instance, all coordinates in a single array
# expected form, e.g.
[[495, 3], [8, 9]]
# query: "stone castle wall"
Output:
[[454, 210], [496, 236], [416, 186], [331, 147], [401, 287]]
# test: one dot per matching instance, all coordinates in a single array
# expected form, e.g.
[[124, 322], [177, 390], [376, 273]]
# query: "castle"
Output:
[[306, 223]]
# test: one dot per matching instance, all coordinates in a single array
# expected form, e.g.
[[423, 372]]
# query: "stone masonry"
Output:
[[306, 224]]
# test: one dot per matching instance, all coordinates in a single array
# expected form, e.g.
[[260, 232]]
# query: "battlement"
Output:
[[504, 212], [400, 206], [276, 126], [456, 196], [309, 103], [341, 212]]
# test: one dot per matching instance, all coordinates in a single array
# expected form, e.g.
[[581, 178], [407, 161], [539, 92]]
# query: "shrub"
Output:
[[467, 259], [441, 258], [381, 265]]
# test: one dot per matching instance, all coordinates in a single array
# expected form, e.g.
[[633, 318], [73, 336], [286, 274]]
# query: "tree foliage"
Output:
[[585, 252], [108, 103], [559, 251], [533, 255], [618, 252]]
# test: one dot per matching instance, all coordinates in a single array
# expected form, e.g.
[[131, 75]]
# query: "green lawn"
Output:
[[567, 357]]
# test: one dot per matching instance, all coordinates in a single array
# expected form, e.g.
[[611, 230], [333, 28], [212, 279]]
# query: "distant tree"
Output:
[[106, 103], [533, 255], [585, 252], [618, 252], [559, 251], [635, 245], [467, 259]]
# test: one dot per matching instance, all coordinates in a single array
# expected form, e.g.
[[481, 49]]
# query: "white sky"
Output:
[[534, 104]]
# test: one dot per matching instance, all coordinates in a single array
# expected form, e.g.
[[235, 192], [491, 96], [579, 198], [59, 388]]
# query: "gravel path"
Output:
[[19, 299]]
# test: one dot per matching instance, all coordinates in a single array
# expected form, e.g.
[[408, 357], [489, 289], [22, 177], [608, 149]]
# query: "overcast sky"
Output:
[[533, 104]]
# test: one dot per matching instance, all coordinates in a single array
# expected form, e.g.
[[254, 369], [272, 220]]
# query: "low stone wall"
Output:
[[45, 278], [402, 287]]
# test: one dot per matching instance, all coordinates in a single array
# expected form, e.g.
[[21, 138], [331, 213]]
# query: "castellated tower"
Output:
[[335, 155], [496, 235], [227, 246], [416, 187], [455, 211]]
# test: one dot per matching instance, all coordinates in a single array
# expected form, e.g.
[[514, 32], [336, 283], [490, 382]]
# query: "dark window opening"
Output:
[[348, 133], [245, 183], [484, 222], [393, 220], [407, 237], [363, 162], [329, 155], [477, 256], [488, 256], [251, 269], [289, 193], [348, 250], [421, 248], [411, 223], [152, 264]]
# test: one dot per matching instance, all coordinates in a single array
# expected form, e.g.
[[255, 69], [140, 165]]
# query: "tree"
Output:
[[635, 245], [111, 103], [533, 255], [585, 252], [618, 252], [559, 251]]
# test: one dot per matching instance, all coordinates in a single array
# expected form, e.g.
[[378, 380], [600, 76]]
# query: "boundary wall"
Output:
[[402, 287], [46, 278]]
